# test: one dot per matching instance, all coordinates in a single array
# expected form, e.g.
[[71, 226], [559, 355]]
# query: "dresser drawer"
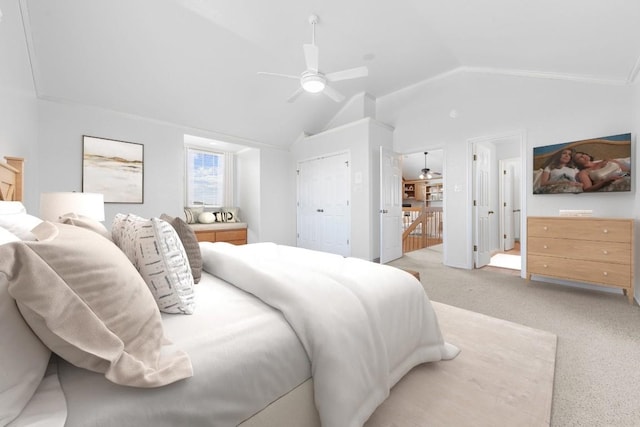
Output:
[[580, 228], [584, 271], [231, 235], [608, 252]]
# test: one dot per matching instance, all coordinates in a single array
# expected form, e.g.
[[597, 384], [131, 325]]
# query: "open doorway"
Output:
[[497, 202], [422, 200]]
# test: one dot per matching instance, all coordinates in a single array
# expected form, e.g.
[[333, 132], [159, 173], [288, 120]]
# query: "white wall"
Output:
[[548, 111], [18, 105], [277, 197]]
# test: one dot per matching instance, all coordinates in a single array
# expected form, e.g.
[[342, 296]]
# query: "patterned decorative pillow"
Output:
[[154, 248], [191, 215], [190, 243], [230, 214]]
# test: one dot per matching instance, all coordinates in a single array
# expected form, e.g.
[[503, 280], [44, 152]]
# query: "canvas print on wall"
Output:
[[586, 166], [113, 168]]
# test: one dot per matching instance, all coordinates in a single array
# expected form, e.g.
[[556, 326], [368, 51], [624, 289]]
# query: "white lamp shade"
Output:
[[54, 205]]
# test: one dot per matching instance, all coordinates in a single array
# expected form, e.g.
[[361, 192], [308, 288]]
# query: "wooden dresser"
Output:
[[235, 233], [589, 250]]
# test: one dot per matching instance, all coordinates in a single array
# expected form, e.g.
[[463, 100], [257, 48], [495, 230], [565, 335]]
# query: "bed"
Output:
[[274, 335]]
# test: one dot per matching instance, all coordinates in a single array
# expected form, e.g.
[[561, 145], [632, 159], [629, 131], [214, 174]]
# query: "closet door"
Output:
[[324, 214]]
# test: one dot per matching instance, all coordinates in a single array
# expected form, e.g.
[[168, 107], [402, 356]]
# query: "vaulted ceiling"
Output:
[[195, 63]]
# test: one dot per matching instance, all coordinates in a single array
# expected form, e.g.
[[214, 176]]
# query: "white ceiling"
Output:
[[195, 62]]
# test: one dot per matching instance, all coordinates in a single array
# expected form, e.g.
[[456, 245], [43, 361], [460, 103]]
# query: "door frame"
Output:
[[524, 182]]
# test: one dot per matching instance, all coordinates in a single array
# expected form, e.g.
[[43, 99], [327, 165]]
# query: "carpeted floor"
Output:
[[597, 376], [503, 372]]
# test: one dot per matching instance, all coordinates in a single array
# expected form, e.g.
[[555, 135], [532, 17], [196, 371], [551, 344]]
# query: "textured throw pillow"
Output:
[[155, 249], [85, 222], [23, 357], [87, 303], [191, 215], [190, 243], [230, 214], [206, 218]]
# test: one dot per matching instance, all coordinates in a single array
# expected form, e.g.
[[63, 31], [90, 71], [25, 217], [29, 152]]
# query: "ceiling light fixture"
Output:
[[425, 173], [313, 82]]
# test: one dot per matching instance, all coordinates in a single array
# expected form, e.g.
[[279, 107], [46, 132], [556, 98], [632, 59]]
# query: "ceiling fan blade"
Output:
[[333, 94], [288, 76], [295, 95], [351, 73], [311, 56]]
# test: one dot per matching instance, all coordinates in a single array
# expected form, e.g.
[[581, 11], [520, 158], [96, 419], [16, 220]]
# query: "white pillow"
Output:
[[154, 248], [11, 208], [20, 224], [23, 361]]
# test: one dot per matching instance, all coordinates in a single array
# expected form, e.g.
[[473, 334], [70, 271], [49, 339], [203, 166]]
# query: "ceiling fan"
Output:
[[425, 173], [312, 80]]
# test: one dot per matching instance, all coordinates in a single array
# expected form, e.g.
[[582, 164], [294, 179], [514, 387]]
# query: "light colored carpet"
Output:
[[598, 352], [503, 376]]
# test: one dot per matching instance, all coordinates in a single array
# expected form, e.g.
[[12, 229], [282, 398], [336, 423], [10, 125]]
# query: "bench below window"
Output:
[[232, 232]]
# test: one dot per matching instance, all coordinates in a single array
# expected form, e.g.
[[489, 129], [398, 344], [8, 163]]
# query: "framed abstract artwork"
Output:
[[114, 169]]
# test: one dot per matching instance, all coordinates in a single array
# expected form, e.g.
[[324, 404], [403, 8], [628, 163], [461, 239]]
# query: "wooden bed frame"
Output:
[[12, 179]]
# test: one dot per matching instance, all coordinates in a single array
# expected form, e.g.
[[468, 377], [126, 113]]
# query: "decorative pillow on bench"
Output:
[[199, 215]]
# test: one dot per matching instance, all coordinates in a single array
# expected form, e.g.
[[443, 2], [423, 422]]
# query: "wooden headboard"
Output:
[[12, 179]]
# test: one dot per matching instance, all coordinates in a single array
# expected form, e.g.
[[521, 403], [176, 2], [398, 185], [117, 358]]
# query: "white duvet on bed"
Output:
[[244, 355], [363, 325]]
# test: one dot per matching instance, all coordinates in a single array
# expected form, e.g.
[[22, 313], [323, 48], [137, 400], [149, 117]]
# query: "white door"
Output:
[[323, 204], [390, 205], [482, 226], [506, 215]]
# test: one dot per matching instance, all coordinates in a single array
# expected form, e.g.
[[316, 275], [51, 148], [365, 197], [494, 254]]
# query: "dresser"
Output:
[[589, 250], [232, 232]]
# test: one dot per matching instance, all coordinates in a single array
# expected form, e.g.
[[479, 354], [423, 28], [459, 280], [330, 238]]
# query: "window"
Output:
[[206, 184]]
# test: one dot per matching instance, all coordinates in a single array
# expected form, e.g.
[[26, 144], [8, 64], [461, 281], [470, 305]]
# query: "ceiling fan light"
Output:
[[313, 84]]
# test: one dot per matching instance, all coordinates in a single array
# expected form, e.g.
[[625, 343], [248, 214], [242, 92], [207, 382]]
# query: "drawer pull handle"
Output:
[[545, 228], [605, 231], [544, 265], [605, 252], [545, 246], [605, 273]]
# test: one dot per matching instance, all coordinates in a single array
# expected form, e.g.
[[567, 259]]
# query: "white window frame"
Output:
[[227, 177]]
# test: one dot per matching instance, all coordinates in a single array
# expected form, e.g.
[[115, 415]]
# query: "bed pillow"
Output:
[[23, 357], [20, 224], [155, 249], [190, 243], [85, 222], [87, 303], [11, 208]]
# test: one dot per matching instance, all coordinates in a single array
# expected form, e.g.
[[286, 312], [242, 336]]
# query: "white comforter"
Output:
[[363, 325]]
